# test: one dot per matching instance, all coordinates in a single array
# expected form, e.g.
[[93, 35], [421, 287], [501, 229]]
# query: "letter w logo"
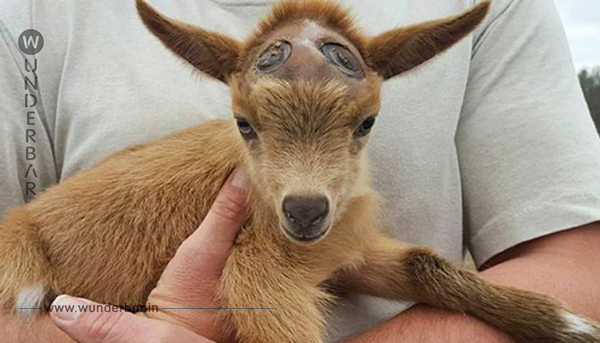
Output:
[[31, 41], [28, 40]]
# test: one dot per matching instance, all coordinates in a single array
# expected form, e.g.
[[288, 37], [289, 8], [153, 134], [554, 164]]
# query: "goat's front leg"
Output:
[[395, 271]]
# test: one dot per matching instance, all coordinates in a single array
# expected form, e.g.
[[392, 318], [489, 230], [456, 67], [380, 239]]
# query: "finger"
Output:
[[191, 277], [89, 322], [226, 215], [206, 250]]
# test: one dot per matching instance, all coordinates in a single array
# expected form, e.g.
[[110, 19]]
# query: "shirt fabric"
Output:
[[486, 146]]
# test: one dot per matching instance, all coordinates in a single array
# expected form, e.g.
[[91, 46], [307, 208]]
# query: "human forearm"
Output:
[[559, 265], [425, 324], [563, 265]]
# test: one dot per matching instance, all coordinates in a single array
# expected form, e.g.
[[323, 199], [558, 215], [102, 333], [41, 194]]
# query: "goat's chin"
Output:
[[305, 240]]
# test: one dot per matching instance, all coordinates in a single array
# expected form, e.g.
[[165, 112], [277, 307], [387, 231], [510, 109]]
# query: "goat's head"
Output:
[[305, 90]]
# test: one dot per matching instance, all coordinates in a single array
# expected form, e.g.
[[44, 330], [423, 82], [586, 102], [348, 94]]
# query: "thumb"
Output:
[[190, 279], [202, 255], [89, 322]]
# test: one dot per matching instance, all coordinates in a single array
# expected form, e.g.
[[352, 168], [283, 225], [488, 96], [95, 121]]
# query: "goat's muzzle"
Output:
[[306, 217]]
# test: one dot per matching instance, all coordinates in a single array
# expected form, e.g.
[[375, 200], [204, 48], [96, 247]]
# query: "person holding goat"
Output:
[[505, 199]]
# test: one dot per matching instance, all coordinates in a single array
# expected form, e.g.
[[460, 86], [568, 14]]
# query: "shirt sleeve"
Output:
[[528, 151], [24, 162]]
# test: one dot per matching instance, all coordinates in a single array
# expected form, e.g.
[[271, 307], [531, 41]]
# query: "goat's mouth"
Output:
[[306, 236]]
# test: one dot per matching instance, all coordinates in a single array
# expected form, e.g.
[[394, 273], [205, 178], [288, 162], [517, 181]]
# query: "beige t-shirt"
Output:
[[487, 146]]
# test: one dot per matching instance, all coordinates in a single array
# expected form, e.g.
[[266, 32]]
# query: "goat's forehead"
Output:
[[304, 77], [310, 31], [302, 31], [330, 95], [279, 103], [302, 57], [273, 100]]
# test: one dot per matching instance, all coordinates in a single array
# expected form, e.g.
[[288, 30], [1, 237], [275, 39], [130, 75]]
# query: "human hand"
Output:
[[189, 281], [117, 327]]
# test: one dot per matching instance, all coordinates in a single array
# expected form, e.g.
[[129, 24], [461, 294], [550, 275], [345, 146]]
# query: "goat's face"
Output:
[[305, 103], [305, 93], [305, 141]]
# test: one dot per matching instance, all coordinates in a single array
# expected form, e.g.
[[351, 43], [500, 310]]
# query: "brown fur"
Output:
[[402, 49], [107, 233], [329, 14], [209, 51]]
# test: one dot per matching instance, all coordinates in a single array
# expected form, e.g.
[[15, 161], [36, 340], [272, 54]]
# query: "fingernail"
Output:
[[237, 178], [67, 308]]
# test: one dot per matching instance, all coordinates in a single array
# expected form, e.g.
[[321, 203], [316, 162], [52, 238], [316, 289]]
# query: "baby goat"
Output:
[[305, 90]]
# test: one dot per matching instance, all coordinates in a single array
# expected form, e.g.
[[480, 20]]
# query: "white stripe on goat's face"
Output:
[[309, 33]]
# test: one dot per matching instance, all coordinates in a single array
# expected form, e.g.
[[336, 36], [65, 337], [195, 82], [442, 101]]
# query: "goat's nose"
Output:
[[305, 213]]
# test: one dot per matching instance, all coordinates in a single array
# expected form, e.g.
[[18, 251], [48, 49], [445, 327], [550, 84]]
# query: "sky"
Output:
[[582, 24]]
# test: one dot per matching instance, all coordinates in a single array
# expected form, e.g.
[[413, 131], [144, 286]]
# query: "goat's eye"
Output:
[[365, 127], [245, 129], [342, 58]]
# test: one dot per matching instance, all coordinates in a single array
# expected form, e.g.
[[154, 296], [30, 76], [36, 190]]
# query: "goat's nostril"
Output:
[[305, 212], [290, 217]]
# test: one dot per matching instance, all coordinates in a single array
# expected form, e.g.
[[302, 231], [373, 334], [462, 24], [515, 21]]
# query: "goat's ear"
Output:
[[399, 50], [210, 52]]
